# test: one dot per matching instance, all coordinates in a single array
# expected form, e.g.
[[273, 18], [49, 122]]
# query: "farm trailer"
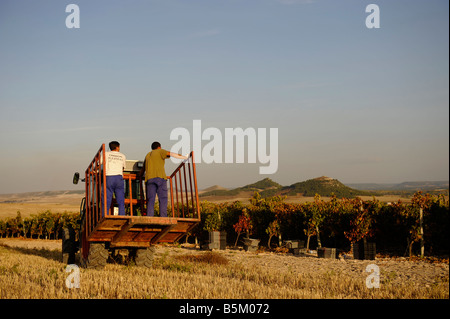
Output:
[[102, 234]]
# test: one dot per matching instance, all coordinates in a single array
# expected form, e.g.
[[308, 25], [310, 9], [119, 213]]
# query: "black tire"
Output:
[[144, 257], [68, 245], [97, 257]]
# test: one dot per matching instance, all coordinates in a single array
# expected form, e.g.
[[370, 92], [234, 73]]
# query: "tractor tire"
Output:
[[144, 257], [68, 245], [97, 257]]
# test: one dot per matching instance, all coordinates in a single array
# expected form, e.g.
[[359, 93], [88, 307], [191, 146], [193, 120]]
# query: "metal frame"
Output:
[[189, 209], [100, 224]]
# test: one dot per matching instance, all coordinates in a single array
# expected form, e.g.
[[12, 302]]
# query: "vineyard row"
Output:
[[395, 227]]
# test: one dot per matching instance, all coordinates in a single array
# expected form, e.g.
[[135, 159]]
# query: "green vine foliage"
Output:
[[44, 225], [213, 222], [340, 221]]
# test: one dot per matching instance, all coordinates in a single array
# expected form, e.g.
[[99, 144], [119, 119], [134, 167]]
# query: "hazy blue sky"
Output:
[[351, 103]]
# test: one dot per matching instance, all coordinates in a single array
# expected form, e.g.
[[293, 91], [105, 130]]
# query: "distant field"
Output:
[[34, 203], [26, 209]]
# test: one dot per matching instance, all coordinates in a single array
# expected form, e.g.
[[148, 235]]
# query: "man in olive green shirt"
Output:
[[156, 178]]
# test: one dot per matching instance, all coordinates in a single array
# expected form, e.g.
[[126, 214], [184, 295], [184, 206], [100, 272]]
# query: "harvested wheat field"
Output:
[[32, 269]]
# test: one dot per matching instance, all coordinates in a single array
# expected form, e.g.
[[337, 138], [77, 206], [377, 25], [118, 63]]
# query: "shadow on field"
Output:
[[41, 252]]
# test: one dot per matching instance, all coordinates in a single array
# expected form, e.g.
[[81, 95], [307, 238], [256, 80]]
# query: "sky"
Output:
[[358, 104]]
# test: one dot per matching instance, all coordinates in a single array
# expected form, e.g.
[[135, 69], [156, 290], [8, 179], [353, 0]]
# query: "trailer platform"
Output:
[[140, 231]]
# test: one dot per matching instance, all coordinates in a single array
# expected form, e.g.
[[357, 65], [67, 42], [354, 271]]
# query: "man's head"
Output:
[[114, 145], [155, 145]]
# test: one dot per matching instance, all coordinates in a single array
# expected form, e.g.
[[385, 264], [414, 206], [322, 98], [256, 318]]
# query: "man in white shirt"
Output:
[[115, 163]]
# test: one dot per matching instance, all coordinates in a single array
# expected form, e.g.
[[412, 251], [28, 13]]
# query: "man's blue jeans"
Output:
[[114, 184], [158, 186]]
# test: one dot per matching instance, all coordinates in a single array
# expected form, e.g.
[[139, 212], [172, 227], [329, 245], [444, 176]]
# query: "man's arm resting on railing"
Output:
[[179, 156]]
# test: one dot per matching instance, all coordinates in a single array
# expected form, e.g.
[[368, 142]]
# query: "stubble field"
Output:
[[32, 269]]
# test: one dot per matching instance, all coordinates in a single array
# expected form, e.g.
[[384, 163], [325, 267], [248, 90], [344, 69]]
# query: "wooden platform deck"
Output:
[[140, 231]]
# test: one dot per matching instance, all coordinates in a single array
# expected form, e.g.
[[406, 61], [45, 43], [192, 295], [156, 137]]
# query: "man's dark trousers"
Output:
[[114, 184], [158, 186]]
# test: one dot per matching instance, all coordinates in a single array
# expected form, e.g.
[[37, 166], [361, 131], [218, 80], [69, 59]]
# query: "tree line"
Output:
[[44, 225], [399, 227]]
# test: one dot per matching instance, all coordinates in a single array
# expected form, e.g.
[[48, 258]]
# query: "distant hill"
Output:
[[405, 186], [422, 185], [214, 188], [324, 186], [32, 203], [263, 186], [29, 196]]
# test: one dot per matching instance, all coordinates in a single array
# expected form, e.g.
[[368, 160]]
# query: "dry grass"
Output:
[[208, 257], [38, 273]]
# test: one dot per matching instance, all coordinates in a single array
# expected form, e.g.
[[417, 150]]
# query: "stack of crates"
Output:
[[251, 244], [295, 247], [364, 250], [217, 240], [327, 253]]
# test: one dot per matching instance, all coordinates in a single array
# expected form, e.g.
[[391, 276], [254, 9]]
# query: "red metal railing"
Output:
[[95, 178], [133, 200], [184, 191]]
